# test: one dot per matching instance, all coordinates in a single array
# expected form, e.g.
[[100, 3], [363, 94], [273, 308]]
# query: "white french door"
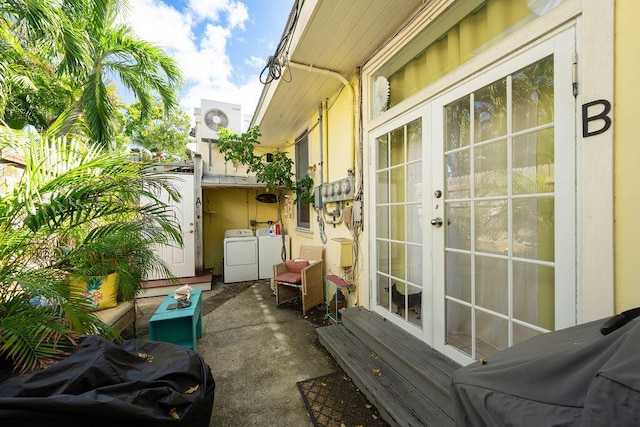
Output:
[[478, 220]]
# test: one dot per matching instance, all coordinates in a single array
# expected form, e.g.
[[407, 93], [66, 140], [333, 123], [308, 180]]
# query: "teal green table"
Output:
[[181, 326]]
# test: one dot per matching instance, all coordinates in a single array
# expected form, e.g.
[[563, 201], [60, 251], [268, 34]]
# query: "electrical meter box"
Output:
[[346, 251]]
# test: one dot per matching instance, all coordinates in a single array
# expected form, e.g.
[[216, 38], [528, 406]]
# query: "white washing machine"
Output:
[[270, 252], [240, 256]]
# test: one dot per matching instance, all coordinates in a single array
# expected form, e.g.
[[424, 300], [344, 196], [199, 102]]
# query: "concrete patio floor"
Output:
[[257, 353]]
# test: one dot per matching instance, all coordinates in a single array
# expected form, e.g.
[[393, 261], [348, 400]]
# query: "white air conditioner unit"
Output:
[[215, 115]]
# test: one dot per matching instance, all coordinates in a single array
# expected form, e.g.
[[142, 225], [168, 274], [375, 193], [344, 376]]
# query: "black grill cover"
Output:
[[572, 377], [105, 383]]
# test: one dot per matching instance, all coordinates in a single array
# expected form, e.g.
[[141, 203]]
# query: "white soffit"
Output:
[[334, 35]]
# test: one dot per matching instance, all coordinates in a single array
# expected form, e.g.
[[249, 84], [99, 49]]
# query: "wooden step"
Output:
[[396, 399], [163, 287], [427, 370]]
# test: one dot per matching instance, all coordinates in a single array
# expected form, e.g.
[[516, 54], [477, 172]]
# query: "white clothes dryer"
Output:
[[240, 256], [270, 252]]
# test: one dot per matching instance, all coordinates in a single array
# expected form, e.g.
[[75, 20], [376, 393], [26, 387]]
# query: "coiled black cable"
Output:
[[273, 70], [278, 62]]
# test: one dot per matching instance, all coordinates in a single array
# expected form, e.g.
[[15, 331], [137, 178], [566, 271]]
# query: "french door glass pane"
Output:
[[398, 182], [491, 226], [533, 282], [533, 228], [382, 187], [459, 327], [382, 291], [414, 305], [399, 215], [414, 182], [397, 220], [414, 140], [458, 277], [414, 264], [397, 147], [533, 95], [383, 256], [533, 166], [382, 226], [490, 169], [490, 111], [382, 152], [492, 333], [491, 280], [458, 230], [458, 175], [414, 223], [398, 260], [500, 212], [457, 134]]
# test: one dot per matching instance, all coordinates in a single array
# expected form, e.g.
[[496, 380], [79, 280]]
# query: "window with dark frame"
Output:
[[302, 165]]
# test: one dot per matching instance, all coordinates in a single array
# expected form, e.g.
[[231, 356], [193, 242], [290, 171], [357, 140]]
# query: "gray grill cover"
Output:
[[571, 377]]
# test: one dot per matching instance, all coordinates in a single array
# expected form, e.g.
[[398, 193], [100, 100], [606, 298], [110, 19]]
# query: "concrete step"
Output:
[[397, 401]]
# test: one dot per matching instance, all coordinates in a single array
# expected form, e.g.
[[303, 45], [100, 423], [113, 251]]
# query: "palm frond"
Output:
[[89, 201], [31, 343]]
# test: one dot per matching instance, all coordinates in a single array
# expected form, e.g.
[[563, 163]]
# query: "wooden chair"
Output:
[[301, 277]]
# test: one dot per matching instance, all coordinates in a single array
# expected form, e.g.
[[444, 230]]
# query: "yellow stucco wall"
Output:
[[225, 209], [333, 158], [339, 148], [627, 155]]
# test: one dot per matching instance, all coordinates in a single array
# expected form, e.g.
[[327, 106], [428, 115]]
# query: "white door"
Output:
[[504, 232], [476, 223], [180, 260]]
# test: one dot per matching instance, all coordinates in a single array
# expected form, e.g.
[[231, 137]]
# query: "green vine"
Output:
[[275, 175]]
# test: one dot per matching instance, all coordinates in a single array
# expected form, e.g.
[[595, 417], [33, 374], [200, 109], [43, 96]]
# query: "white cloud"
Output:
[[160, 24], [256, 61], [236, 12], [205, 62], [270, 45]]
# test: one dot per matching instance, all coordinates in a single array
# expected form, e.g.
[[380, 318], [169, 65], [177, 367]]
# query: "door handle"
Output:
[[437, 222]]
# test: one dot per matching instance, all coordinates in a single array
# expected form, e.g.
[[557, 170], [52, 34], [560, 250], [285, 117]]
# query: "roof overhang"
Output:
[[332, 38], [228, 181]]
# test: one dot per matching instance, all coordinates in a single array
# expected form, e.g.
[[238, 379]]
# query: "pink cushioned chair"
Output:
[[301, 278]]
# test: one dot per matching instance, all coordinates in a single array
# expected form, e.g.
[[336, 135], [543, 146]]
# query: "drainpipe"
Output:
[[311, 69], [321, 133], [325, 129], [320, 208], [324, 71], [358, 147]]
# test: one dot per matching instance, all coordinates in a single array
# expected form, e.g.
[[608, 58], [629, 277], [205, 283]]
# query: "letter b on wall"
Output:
[[602, 117]]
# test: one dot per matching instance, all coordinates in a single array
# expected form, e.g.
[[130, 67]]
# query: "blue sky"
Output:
[[221, 46]]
